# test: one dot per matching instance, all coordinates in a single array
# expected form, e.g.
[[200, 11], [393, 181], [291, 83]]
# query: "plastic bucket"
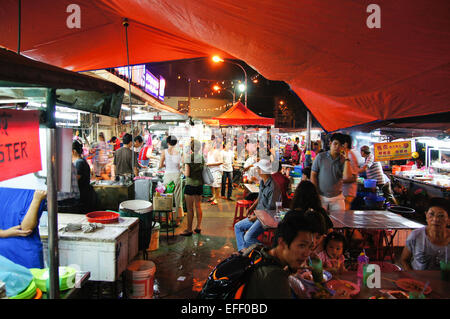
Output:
[[374, 201], [370, 183], [154, 242], [141, 275]]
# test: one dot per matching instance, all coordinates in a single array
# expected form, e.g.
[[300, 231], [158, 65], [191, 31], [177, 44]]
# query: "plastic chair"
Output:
[[242, 207]]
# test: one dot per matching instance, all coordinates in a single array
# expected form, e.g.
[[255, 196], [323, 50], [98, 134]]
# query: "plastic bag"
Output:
[[160, 188], [16, 277], [170, 188]]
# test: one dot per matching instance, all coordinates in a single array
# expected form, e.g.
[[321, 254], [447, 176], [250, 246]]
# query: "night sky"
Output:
[[261, 97]]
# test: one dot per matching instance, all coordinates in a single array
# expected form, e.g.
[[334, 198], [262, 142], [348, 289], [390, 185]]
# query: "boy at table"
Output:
[[293, 244]]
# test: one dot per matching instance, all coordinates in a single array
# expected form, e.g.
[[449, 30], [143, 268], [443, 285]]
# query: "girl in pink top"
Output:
[[333, 254]]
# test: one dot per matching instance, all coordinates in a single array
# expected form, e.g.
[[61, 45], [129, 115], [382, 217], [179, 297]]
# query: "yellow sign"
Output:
[[392, 151]]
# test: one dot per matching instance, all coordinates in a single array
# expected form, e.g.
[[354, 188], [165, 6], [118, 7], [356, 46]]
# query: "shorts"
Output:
[[217, 176], [193, 190]]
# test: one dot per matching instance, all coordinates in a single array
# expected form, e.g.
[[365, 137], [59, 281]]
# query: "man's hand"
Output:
[[15, 231], [252, 217]]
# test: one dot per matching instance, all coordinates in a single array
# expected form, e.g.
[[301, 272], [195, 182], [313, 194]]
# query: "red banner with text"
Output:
[[20, 151]]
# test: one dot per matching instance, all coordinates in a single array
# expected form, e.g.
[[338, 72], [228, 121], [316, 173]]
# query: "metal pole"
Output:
[[52, 208], [189, 97], [245, 73], [308, 160], [125, 24], [19, 27]]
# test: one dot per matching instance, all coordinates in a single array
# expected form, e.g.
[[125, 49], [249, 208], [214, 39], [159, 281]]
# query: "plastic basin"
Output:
[[370, 183], [103, 217]]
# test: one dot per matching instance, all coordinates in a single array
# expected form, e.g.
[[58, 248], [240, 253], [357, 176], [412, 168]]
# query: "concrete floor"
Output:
[[184, 263]]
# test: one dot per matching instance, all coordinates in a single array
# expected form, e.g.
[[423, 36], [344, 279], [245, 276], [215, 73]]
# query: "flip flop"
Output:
[[186, 233], [198, 230], [213, 203]]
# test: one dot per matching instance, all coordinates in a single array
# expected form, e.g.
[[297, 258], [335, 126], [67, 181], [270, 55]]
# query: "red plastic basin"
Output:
[[103, 217]]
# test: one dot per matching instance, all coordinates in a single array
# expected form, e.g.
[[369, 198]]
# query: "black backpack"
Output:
[[228, 278]]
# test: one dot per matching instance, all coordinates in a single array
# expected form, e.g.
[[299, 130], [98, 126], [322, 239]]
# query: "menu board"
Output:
[[392, 151]]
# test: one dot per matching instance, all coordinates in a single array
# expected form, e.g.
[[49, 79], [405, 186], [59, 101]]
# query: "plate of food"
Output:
[[343, 286], [409, 284], [306, 275]]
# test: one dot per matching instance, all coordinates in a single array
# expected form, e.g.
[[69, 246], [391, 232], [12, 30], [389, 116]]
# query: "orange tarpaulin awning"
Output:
[[346, 72], [238, 114]]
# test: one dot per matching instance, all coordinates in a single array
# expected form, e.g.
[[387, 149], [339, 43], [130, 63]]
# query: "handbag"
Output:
[[207, 175]]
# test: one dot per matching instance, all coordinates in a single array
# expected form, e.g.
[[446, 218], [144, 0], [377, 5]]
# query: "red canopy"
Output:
[[346, 73], [241, 115]]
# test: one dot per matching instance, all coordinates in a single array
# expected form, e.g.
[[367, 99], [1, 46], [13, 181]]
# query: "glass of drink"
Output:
[[445, 270], [416, 295], [317, 269]]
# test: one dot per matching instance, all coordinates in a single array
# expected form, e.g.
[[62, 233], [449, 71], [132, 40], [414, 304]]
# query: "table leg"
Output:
[[389, 244]]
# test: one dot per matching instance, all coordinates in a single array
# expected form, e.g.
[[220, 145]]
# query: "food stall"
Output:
[[432, 179], [30, 85]]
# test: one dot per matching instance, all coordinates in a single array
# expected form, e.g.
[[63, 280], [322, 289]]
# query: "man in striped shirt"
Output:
[[375, 171]]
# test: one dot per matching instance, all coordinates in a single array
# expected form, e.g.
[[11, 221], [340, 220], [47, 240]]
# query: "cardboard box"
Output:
[[163, 202]]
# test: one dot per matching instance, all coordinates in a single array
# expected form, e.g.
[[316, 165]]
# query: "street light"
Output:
[[217, 59], [218, 89]]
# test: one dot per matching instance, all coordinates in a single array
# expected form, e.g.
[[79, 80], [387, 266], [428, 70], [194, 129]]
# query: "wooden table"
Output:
[[440, 288], [252, 188]]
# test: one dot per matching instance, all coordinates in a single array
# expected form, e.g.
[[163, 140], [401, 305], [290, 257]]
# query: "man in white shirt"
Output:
[[350, 187], [227, 169]]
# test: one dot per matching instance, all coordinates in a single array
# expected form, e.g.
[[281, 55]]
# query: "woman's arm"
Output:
[[187, 170], [14, 232], [162, 160], [405, 259], [30, 220]]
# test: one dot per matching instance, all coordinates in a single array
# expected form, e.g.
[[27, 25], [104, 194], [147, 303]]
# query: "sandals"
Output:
[[198, 230], [186, 233], [213, 203]]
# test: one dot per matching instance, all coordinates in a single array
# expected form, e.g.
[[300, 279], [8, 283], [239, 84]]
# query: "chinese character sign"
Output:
[[19, 143], [392, 151]]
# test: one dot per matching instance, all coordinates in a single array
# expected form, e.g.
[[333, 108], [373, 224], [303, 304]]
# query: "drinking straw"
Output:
[[425, 287]]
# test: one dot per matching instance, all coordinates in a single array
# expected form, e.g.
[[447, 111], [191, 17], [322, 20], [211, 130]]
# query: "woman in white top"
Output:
[[171, 159], [215, 165]]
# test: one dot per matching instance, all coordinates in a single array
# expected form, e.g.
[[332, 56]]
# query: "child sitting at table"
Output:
[[333, 254]]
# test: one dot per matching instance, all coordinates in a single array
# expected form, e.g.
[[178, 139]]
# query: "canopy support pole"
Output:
[[126, 24], [19, 27], [52, 207], [308, 160]]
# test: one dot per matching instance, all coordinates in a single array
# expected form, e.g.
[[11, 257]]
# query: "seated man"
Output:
[[248, 229], [426, 247], [293, 245], [20, 211]]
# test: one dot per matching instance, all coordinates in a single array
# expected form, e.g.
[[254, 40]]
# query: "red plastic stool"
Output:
[[241, 207], [266, 238]]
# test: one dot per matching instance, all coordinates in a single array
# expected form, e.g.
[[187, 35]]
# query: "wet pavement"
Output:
[[184, 263]]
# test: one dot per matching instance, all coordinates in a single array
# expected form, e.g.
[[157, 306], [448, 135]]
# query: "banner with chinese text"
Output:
[[392, 151], [20, 152]]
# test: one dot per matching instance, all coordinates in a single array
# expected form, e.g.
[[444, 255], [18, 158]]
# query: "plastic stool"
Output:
[[266, 238], [241, 207]]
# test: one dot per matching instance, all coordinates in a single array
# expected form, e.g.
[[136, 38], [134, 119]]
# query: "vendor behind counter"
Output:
[[20, 211]]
